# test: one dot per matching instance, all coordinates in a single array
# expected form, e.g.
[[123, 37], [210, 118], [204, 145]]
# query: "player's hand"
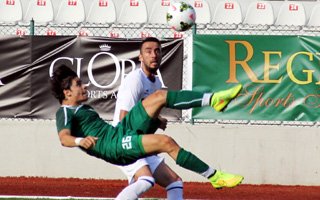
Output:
[[88, 142], [163, 123]]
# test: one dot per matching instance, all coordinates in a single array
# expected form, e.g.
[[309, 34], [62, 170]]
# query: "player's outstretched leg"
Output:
[[185, 99], [221, 99], [221, 179], [164, 144]]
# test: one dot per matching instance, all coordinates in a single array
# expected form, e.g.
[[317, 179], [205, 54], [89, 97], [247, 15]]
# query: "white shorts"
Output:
[[130, 170]]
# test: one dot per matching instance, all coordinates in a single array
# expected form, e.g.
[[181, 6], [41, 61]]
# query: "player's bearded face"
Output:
[[151, 56]]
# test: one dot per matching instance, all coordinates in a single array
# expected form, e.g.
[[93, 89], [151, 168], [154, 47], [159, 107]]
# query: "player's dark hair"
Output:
[[149, 39], [61, 80]]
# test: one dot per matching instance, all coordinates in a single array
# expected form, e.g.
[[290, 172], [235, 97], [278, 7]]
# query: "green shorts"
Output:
[[125, 141], [119, 146], [138, 120], [128, 148]]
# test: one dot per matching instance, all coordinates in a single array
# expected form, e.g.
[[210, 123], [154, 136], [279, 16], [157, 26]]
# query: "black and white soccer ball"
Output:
[[181, 16]]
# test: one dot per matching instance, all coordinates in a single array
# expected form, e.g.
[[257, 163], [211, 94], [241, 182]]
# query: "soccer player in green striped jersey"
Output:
[[79, 125]]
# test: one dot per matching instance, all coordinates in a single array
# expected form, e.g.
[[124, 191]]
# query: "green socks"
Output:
[[184, 99], [189, 161]]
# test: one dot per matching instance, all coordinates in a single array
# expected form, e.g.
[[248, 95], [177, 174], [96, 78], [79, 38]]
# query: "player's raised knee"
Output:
[[160, 96], [168, 143]]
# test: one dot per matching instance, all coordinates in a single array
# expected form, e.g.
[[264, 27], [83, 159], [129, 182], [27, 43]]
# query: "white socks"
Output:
[[175, 191], [134, 190], [144, 183], [206, 99], [208, 173]]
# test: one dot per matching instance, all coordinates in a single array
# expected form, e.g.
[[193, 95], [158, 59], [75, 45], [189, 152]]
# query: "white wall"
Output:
[[263, 154]]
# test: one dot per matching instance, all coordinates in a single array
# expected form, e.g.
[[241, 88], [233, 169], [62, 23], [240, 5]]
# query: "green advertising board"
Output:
[[280, 75]]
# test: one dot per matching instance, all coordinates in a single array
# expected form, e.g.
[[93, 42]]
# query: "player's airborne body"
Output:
[[80, 126]]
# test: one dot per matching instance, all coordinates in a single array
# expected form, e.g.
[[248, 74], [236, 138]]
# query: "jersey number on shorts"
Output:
[[126, 142]]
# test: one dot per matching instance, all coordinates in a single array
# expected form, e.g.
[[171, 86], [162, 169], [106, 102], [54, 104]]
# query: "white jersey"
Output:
[[135, 86]]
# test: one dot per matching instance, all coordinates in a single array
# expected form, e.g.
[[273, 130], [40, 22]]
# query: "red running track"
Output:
[[37, 186]]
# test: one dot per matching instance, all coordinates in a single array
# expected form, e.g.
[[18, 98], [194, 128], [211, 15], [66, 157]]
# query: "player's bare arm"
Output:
[[68, 140]]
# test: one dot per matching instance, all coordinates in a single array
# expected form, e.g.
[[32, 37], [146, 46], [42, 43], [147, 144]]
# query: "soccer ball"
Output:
[[181, 16]]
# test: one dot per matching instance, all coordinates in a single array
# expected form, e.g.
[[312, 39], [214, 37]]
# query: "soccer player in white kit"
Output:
[[137, 85]]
